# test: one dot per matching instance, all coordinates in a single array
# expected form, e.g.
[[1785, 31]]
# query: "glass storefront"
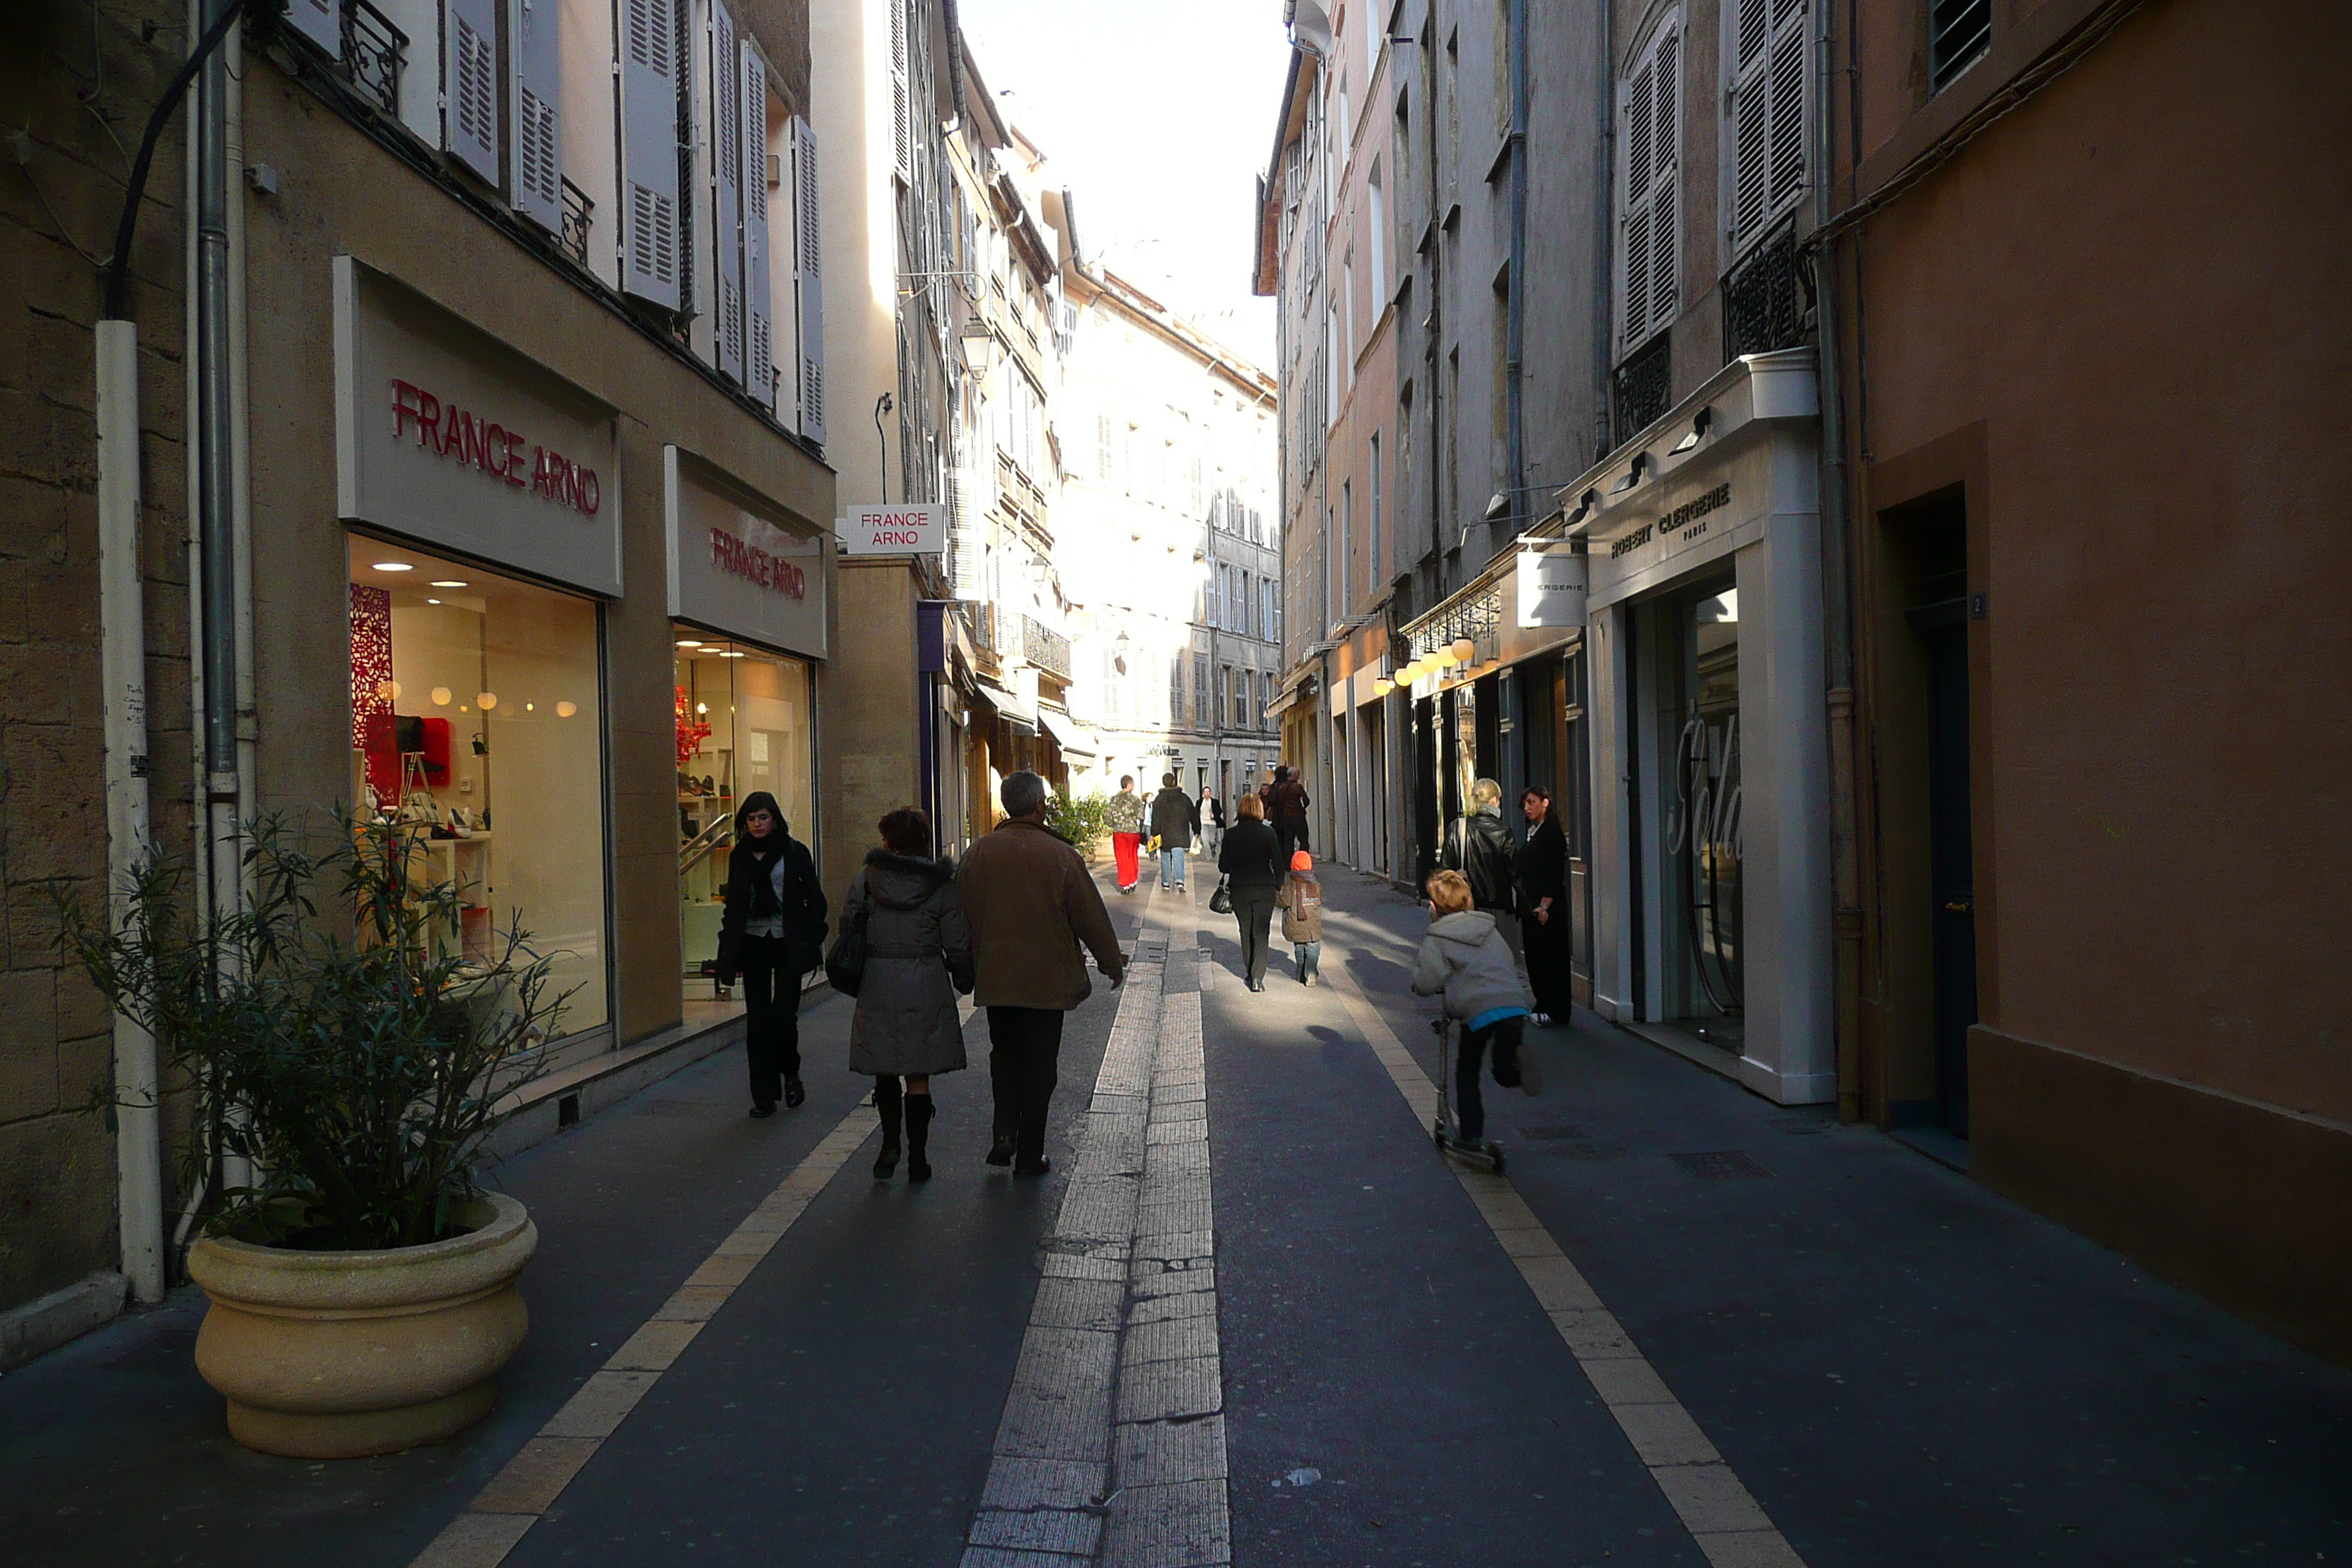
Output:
[[1698, 726], [477, 721], [743, 725]]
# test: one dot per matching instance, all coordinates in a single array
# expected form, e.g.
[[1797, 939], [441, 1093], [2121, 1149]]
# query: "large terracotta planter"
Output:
[[330, 1355]]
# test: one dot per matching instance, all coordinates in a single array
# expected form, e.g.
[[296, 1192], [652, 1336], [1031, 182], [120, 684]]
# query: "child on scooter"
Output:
[[1465, 960]]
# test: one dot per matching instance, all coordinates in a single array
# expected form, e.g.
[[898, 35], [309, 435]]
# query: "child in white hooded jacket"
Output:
[[1465, 960]]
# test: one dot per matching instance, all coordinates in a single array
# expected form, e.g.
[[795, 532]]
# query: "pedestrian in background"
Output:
[[1173, 823], [1541, 871], [770, 932], [1481, 845], [1251, 861], [1301, 903], [1212, 818], [1030, 905], [1124, 816], [918, 957], [1286, 805], [1465, 960]]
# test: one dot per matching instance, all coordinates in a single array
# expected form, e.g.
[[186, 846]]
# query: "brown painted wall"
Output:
[[2136, 317], [56, 1161]]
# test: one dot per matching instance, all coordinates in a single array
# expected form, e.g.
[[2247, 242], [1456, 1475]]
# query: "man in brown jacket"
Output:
[[1030, 904]]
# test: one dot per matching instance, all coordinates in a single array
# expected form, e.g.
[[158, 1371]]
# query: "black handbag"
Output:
[[1221, 900], [845, 966]]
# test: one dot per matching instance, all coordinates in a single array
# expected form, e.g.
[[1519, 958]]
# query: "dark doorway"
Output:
[[1427, 790], [1940, 614]]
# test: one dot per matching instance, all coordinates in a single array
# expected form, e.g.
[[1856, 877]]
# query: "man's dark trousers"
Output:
[[1290, 832], [1025, 1055]]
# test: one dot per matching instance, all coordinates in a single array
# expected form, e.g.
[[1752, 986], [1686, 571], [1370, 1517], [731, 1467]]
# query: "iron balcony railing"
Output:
[[1046, 648], [579, 214], [1643, 387], [1767, 301], [373, 51]]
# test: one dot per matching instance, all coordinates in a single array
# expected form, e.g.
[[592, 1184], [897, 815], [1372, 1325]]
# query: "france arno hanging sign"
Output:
[[893, 530]]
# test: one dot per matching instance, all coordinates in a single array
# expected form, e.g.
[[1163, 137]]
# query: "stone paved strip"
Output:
[[1112, 1449], [516, 1498], [1724, 1519]]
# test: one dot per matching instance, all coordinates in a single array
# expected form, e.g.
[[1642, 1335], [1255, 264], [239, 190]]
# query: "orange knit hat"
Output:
[[1301, 862]]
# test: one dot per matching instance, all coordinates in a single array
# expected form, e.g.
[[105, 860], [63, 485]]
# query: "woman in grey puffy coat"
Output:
[[918, 956], [1465, 960]]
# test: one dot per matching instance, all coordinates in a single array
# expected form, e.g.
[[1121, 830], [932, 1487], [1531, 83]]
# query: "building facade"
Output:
[[508, 499], [1171, 558], [2078, 925]]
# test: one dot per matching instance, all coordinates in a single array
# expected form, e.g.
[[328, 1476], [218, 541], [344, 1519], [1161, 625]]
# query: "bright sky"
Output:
[[1159, 115]]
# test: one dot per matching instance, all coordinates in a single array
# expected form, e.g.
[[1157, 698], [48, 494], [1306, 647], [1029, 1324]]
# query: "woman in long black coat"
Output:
[[1252, 863], [1540, 870], [772, 933]]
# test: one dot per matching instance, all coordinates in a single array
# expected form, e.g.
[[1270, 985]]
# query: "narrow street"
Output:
[[1388, 1362]]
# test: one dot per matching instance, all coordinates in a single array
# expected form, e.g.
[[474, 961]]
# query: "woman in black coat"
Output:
[[772, 933], [1251, 862], [1540, 870]]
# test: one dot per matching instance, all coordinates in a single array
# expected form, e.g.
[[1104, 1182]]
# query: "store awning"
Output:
[[1073, 741], [1009, 704], [1290, 695]]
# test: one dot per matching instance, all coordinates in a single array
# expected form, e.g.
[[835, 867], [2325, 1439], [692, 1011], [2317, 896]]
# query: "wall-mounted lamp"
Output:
[[979, 341], [1633, 475], [1382, 685], [1699, 427], [1462, 648]]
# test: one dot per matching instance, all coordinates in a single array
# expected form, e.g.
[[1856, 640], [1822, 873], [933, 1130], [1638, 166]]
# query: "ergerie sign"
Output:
[[466, 438], [892, 531], [730, 553]]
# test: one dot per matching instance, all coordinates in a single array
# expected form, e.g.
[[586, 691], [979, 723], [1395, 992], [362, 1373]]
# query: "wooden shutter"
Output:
[[1650, 234], [902, 123], [471, 84], [727, 191], [808, 282], [650, 239], [1768, 96], [759, 309], [320, 21], [534, 90]]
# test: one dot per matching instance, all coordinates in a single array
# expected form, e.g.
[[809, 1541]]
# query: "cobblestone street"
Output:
[[1268, 1326]]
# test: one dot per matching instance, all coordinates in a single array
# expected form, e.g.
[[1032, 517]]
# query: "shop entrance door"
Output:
[[1951, 873], [1698, 693]]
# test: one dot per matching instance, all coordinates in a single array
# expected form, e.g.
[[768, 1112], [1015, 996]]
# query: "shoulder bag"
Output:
[[845, 966]]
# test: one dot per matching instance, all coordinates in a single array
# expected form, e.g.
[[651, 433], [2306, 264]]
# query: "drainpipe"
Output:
[[1515, 390], [123, 663], [1837, 594], [219, 622]]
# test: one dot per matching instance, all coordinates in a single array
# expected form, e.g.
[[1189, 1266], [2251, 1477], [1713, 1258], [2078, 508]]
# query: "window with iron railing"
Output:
[[1643, 387], [1767, 302], [579, 215]]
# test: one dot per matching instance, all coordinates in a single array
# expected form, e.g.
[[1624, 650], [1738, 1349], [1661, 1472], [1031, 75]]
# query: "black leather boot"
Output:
[[918, 1133], [886, 1104]]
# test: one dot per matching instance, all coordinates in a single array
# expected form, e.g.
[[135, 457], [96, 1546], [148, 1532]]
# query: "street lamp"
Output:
[[979, 343]]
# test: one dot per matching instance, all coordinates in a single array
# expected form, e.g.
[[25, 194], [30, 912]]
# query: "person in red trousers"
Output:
[[1126, 818]]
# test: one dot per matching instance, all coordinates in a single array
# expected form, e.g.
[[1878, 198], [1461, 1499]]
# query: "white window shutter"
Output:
[[759, 309], [967, 507], [902, 109], [1666, 221], [320, 21], [471, 84], [1791, 44], [727, 193], [650, 241], [535, 90], [808, 282]]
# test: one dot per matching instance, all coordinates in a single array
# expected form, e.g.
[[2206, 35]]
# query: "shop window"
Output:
[[742, 722], [476, 721], [1700, 814]]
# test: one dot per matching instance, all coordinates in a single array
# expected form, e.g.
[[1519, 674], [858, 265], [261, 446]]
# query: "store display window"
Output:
[[1699, 731], [476, 721], [743, 725]]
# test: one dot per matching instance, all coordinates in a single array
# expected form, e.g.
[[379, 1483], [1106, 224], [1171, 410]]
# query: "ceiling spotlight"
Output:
[[689, 642], [432, 601], [734, 653], [393, 566], [441, 695], [448, 582], [566, 709], [486, 700], [1697, 432]]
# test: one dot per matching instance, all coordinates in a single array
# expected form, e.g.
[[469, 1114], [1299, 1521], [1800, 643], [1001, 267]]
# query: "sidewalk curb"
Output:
[[46, 1323]]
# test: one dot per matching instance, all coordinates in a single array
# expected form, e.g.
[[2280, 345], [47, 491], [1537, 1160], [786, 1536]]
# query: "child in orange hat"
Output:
[[1301, 904]]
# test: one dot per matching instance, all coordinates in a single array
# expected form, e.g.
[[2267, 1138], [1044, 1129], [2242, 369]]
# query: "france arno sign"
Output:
[[893, 530]]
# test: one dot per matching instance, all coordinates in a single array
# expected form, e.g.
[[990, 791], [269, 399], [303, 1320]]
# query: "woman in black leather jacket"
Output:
[[1253, 864], [772, 933]]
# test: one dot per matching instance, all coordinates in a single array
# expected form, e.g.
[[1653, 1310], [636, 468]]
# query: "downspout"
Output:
[[1515, 390], [1837, 592], [123, 663], [1604, 98]]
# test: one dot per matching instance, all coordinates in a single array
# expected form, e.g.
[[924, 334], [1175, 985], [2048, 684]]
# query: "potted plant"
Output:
[[349, 1053]]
